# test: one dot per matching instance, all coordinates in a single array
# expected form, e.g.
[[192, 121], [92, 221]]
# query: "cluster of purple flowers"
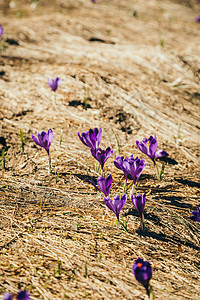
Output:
[[130, 166], [92, 139]]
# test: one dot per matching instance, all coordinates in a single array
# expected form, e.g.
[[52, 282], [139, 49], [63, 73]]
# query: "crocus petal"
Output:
[[196, 215], [1, 30], [23, 295], [7, 296], [82, 140], [197, 19], [122, 202], [50, 82], [50, 134], [142, 147], [41, 135], [99, 136], [152, 148], [43, 139], [108, 203], [35, 140], [119, 162], [58, 81], [139, 202], [161, 153]]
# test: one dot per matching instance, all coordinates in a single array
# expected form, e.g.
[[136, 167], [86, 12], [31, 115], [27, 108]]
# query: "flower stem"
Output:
[[124, 187], [117, 223], [150, 292], [132, 191], [157, 171], [49, 163], [142, 221]]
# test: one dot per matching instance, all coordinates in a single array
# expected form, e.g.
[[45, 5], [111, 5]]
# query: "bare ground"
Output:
[[139, 62]]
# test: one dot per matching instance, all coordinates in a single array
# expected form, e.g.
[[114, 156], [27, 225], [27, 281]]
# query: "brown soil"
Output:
[[139, 63]]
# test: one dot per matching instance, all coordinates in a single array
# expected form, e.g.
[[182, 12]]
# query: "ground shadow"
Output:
[[145, 176], [163, 189], [76, 103], [162, 237], [147, 215], [176, 201], [168, 160], [85, 178], [188, 182]]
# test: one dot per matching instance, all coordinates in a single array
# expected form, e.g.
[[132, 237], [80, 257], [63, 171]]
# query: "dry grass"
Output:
[[56, 239]]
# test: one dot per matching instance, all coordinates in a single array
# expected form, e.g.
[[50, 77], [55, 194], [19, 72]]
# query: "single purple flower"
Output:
[[91, 138], [149, 147], [1, 30], [196, 215], [143, 272], [139, 203], [197, 19], [54, 83], [116, 204], [23, 295], [102, 155], [103, 185], [43, 139], [134, 167], [119, 164]]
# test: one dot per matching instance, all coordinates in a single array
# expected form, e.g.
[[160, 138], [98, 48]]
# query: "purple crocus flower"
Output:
[[116, 204], [131, 166], [196, 215], [134, 167], [119, 164], [139, 203], [143, 272], [103, 184], [43, 139], [149, 147], [102, 155], [197, 19], [91, 138], [22, 295], [1, 30], [54, 83]]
